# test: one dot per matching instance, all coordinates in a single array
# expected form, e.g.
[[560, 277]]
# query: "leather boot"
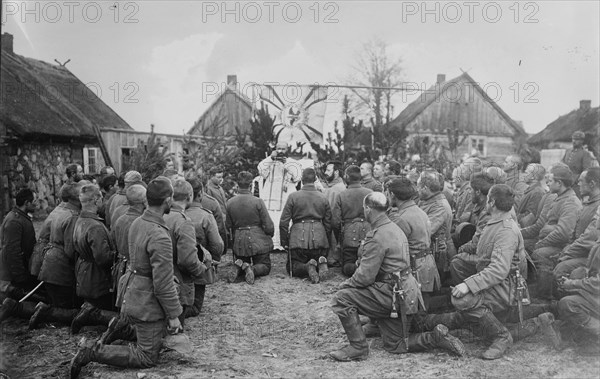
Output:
[[371, 329], [323, 269], [237, 270], [90, 315], [249, 273], [311, 267], [118, 329], [199, 292], [529, 328], [451, 320], [40, 310], [8, 308], [358, 349], [551, 330], [438, 338], [495, 331], [83, 357]]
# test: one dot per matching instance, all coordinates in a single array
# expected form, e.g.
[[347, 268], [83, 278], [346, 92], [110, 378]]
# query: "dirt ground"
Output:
[[279, 327]]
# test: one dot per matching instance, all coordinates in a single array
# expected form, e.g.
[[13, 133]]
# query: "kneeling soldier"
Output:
[[384, 289], [150, 294], [252, 230]]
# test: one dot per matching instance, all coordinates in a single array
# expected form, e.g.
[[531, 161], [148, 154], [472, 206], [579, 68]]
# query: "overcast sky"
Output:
[[160, 61]]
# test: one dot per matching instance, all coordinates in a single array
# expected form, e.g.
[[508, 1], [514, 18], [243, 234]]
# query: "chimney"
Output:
[[585, 105], [7, 43], [441, 78], [232, 80]]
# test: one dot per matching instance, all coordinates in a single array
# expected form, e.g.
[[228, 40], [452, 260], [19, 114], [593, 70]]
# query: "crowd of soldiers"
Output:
[[137, 257]]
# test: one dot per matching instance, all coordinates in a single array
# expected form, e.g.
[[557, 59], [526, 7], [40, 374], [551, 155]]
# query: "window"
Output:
[[90, 160], [478, 144]]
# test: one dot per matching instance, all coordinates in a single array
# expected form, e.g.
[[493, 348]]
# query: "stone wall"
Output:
[[40, 167]]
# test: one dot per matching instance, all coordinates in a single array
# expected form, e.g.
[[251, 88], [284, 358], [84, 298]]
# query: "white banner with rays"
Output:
[[299, 111]]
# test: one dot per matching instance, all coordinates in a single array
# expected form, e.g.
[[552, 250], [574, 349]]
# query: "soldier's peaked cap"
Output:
[[578, 135]]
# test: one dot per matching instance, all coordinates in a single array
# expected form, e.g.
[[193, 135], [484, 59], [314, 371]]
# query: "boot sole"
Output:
[[346, 359]]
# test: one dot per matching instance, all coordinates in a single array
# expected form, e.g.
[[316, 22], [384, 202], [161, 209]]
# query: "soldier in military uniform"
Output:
[[434, 204], [416, 226], [335, 186], [348, 220], [57, 271], [252, 230], [17, 239], [95, 252], [310, 214], [577, 158], [464, 263], [149, 292], [557, 232], [512, 168], [384, 289], [526, 211], [186, 265], [366, 173], [463, 203], [576, 253], [579, 311], [207, 236], [490, 293]]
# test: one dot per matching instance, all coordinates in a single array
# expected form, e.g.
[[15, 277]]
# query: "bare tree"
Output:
[[376, 69]]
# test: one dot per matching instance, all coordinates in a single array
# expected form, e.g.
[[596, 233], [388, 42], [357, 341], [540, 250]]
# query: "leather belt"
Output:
[[248, 227], [307, 220], [388, 277], [422, 253], [353, 220], [136, 272]]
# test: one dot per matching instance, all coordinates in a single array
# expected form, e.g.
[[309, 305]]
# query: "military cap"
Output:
[[561, 172], [181, 189], [136, 194], [159, 188], [496, 174], [133, 177], [578, 135], [467, 302]]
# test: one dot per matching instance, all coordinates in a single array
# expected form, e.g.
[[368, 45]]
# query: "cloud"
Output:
[[179, 69]]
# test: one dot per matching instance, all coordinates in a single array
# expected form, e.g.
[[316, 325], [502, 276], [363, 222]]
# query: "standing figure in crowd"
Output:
[[577, 158], [252, 229], [384, 268], [280, 175], [367, 181], [310, 214], [348, 220], [335, 186]]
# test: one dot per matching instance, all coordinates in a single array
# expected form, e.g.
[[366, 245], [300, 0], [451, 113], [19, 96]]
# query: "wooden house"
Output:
[[48, 120], [557, 135], [461, 104], [228, 114]]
